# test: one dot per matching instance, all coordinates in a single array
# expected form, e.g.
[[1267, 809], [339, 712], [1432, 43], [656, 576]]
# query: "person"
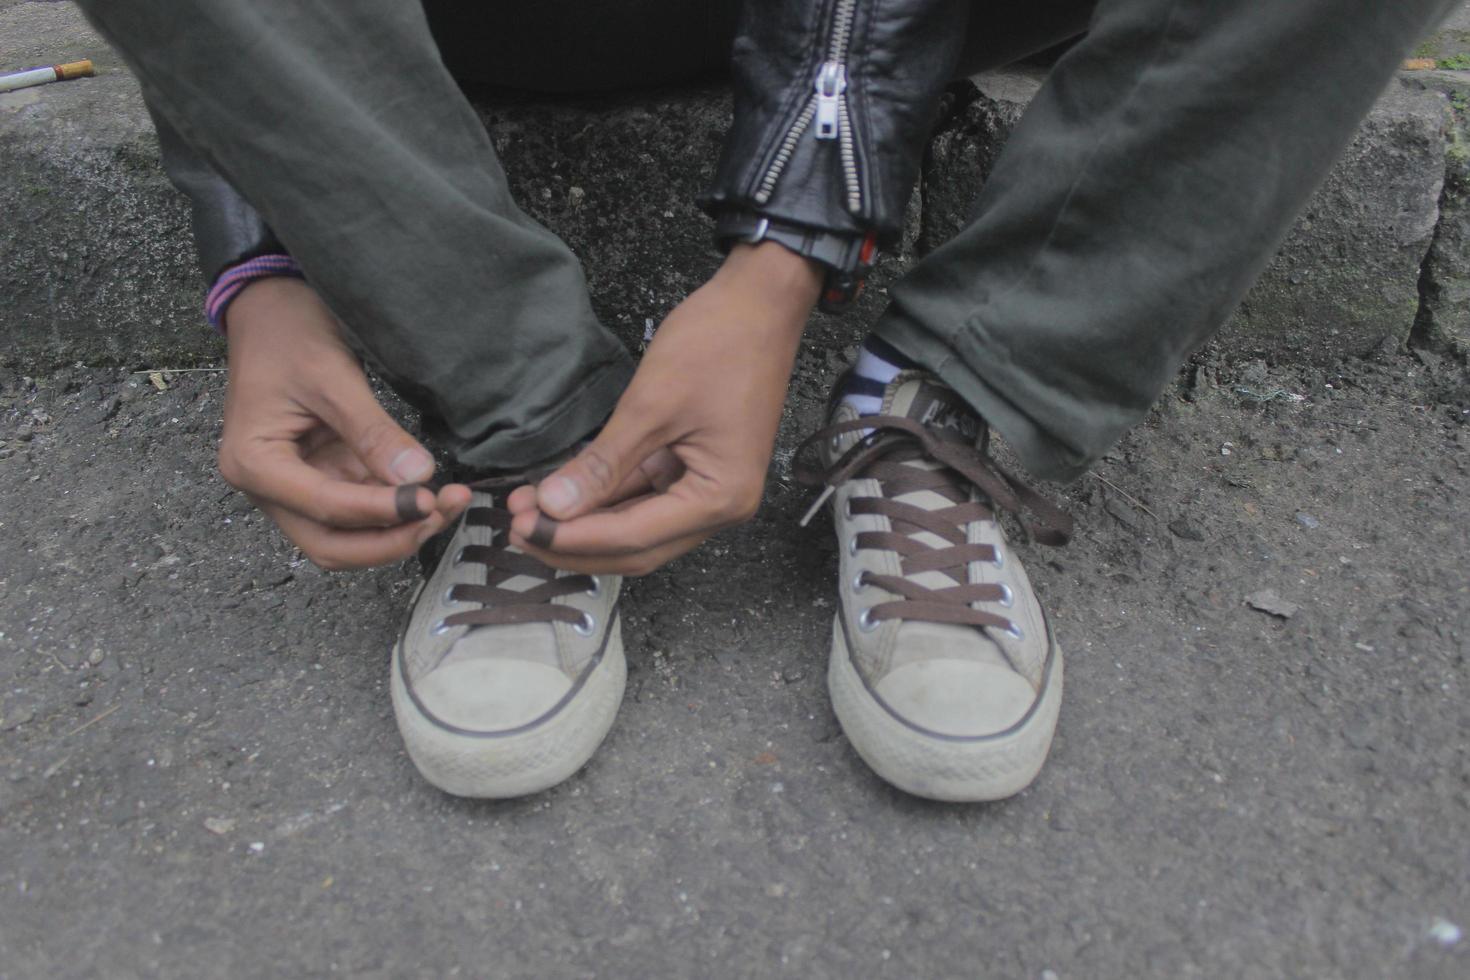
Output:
[[1147, 184]]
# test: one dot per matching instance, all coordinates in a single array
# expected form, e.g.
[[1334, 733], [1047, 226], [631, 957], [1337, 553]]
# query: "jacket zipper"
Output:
[[827, 106]]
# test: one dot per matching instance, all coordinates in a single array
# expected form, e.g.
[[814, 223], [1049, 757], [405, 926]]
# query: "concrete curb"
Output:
[[1347, 277]]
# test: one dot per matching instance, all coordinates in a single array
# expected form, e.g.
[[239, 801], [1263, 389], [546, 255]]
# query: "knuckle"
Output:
[[640, 566], [747, 508], [231, 469], [326, 561], [599, 471], [740, 505], [318, 509], [375, 437]]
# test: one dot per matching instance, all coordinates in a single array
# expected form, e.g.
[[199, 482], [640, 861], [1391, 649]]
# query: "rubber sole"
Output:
[[938, 767], [526, 760]]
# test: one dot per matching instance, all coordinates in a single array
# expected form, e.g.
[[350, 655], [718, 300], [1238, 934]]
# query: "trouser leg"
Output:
[[339, 123], [1146, 187]]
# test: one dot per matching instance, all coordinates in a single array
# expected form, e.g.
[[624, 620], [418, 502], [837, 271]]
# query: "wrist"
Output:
[[277, 313], [844, 259], [773, 272], [233, 281]]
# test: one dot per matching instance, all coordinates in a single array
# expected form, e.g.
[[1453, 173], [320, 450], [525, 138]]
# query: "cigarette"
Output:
[[41, 76]]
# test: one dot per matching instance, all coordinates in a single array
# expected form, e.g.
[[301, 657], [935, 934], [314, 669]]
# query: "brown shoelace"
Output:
[[883, 455], [500, 606]]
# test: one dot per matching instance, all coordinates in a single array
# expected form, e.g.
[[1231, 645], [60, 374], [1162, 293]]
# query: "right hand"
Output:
[[305, 439]]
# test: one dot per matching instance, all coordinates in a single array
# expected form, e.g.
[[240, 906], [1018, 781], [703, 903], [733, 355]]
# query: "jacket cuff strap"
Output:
[[237, 277], [847, 257]]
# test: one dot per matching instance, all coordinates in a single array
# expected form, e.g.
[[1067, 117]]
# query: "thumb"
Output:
[[389, 453], [591, 477]]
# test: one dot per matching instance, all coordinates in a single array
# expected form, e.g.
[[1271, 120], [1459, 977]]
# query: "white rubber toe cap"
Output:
[[485, 695], [956, 697]]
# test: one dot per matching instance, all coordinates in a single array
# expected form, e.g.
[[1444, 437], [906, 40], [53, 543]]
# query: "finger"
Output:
[[543, 528], [591, 477], [452, 500], [654, 520], [406, 502], [337, 549], [349, 407], [276, 475], [640, 563], [521, 499], [658, 472]]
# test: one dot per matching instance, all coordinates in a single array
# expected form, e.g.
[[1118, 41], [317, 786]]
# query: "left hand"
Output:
[[685, 452]]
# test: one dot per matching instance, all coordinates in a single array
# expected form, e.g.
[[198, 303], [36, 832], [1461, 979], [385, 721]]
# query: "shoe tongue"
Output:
[[931, 403]]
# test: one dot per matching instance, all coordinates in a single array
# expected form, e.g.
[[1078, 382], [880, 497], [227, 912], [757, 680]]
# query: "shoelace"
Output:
[[891, 443], [500, 606]]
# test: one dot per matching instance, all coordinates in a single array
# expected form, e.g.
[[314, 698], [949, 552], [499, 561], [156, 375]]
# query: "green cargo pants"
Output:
[[1147, 185]]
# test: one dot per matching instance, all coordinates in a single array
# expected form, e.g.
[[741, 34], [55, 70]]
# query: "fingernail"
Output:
[[559, 493], [542, 534], [412, 465], [406, 502]]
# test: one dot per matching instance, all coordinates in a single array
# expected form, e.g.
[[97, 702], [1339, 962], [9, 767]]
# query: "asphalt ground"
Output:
[[200, 775]]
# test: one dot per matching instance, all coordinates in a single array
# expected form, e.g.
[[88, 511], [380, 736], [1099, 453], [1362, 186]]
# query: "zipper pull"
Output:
[[831, 83]]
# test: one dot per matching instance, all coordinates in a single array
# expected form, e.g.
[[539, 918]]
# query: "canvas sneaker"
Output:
[[944, 673], [507, 674]]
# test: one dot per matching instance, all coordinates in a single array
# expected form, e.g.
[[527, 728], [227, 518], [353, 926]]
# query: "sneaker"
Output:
[[507, 674], [944, 672]]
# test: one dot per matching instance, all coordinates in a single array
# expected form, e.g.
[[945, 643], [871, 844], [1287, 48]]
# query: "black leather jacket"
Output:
[[833, 101]]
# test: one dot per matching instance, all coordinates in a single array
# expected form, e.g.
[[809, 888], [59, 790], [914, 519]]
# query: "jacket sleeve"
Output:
[[227, 230], [833, 102]]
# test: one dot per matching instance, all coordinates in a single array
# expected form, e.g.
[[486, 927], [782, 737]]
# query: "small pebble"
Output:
[[1186, 529], [1267, 601], [1445, 932], [221, 826], [1307, 520]]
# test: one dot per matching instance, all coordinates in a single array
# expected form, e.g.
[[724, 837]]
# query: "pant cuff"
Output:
[[576, 416], [1041, 453]]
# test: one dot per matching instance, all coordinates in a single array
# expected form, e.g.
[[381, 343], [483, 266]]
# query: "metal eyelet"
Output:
[[449, 595], [999, 561], [852, 546], [459, 555], [847, 508], [440, 628], [836, 443], [596, 589], [1007, 597], [1014, 632], [586, 627], [865, 620], [859, 582]]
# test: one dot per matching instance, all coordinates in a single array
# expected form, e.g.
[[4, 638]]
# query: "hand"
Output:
[[686, 450], [307, 442]]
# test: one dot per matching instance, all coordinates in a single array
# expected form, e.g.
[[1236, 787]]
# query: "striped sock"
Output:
[[878, 363]]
